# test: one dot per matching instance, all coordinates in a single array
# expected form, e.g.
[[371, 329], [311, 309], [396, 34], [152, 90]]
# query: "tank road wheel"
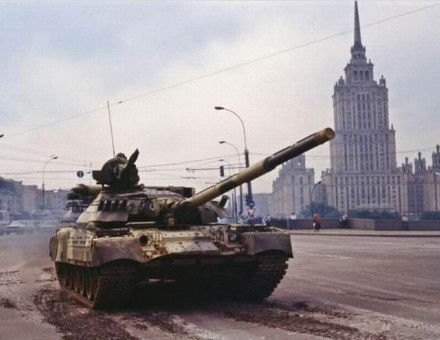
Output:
[[76, 278], [108, 286], [72, 277], [69, 276], [82, 280], [87, 274], [92, 278], [60, 269], [265, 276]]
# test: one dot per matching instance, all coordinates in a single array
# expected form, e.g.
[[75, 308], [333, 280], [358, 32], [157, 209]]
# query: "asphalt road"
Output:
[[349, 287]]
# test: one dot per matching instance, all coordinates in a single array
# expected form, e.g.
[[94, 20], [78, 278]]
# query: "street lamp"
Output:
[[239, 167], [51, 158], [246, 151]]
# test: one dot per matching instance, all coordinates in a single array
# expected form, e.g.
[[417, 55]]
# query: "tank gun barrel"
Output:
[[260, 168]]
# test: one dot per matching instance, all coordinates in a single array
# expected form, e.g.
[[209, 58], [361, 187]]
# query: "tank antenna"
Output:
[[111, 127]]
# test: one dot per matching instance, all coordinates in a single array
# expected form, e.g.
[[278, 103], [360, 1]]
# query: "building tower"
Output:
[[436, 159], [293, 188], [363, 171]]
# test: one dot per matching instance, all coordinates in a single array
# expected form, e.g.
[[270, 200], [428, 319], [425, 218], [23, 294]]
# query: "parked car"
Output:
[[20, 227], [4, 221]]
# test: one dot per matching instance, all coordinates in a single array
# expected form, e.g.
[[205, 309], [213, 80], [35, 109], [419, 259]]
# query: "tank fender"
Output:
[[105, 250], [257, 242]]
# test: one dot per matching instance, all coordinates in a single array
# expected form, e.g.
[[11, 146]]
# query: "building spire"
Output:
[[357, 28], [357, 50]]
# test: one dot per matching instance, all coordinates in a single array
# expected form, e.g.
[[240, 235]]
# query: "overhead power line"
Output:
[[74, 116], [27, 160], [16, 148], [186, 162], [223, 70]]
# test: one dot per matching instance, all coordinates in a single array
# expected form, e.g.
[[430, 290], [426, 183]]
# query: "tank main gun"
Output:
[[260, 168]]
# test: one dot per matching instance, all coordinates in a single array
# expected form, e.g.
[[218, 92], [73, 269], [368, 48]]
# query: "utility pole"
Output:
[[52, 157], [239, 166]]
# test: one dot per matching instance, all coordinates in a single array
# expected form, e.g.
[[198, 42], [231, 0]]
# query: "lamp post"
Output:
[[239, 166], [249, 199], [234, 193], [51, 158]]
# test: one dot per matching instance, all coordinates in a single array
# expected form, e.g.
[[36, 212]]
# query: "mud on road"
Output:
[[176, 320]]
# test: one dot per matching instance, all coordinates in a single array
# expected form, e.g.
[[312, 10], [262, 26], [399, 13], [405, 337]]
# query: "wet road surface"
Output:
[[335, 288]]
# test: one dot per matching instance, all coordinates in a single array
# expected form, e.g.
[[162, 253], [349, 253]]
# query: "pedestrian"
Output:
[[267, 220], [405, 224], [343, 221], [250, 218], [316, 221], [291, 222]]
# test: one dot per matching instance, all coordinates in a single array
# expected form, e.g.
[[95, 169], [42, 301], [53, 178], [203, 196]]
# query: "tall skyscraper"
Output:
[[363, 172]]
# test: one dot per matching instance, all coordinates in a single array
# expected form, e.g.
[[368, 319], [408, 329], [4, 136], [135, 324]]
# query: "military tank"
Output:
[[132, 234], [78, 199]]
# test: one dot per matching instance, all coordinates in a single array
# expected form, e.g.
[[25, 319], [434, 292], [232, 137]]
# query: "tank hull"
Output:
[[102, 268]]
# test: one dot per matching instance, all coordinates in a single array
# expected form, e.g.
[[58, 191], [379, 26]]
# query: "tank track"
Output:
[[112, 285], [246, 282], [264, 278], [98, 287]]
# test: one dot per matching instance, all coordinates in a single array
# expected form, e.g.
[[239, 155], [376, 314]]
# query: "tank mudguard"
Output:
[[259, 242]]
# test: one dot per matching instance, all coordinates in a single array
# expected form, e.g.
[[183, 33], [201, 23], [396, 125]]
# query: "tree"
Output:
[[374, 214], [431, 215]]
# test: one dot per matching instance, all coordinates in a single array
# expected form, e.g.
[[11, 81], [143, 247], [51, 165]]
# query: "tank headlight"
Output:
[[232, 236], [143, 240]]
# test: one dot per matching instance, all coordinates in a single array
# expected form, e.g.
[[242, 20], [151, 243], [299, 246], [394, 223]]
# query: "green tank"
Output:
[[132, 234]]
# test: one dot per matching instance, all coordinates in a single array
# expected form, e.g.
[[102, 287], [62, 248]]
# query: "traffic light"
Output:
[[222, 171]]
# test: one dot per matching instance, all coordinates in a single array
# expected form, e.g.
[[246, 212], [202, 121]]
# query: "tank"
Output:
[[78, 199], [133, 235]]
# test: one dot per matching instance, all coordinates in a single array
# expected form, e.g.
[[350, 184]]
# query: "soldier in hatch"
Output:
[[120, 172]]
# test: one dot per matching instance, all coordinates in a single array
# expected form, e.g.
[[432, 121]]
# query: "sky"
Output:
[[164, 65]]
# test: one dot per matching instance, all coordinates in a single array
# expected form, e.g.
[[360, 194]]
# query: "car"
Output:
[[20, 227], [4, 221]]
